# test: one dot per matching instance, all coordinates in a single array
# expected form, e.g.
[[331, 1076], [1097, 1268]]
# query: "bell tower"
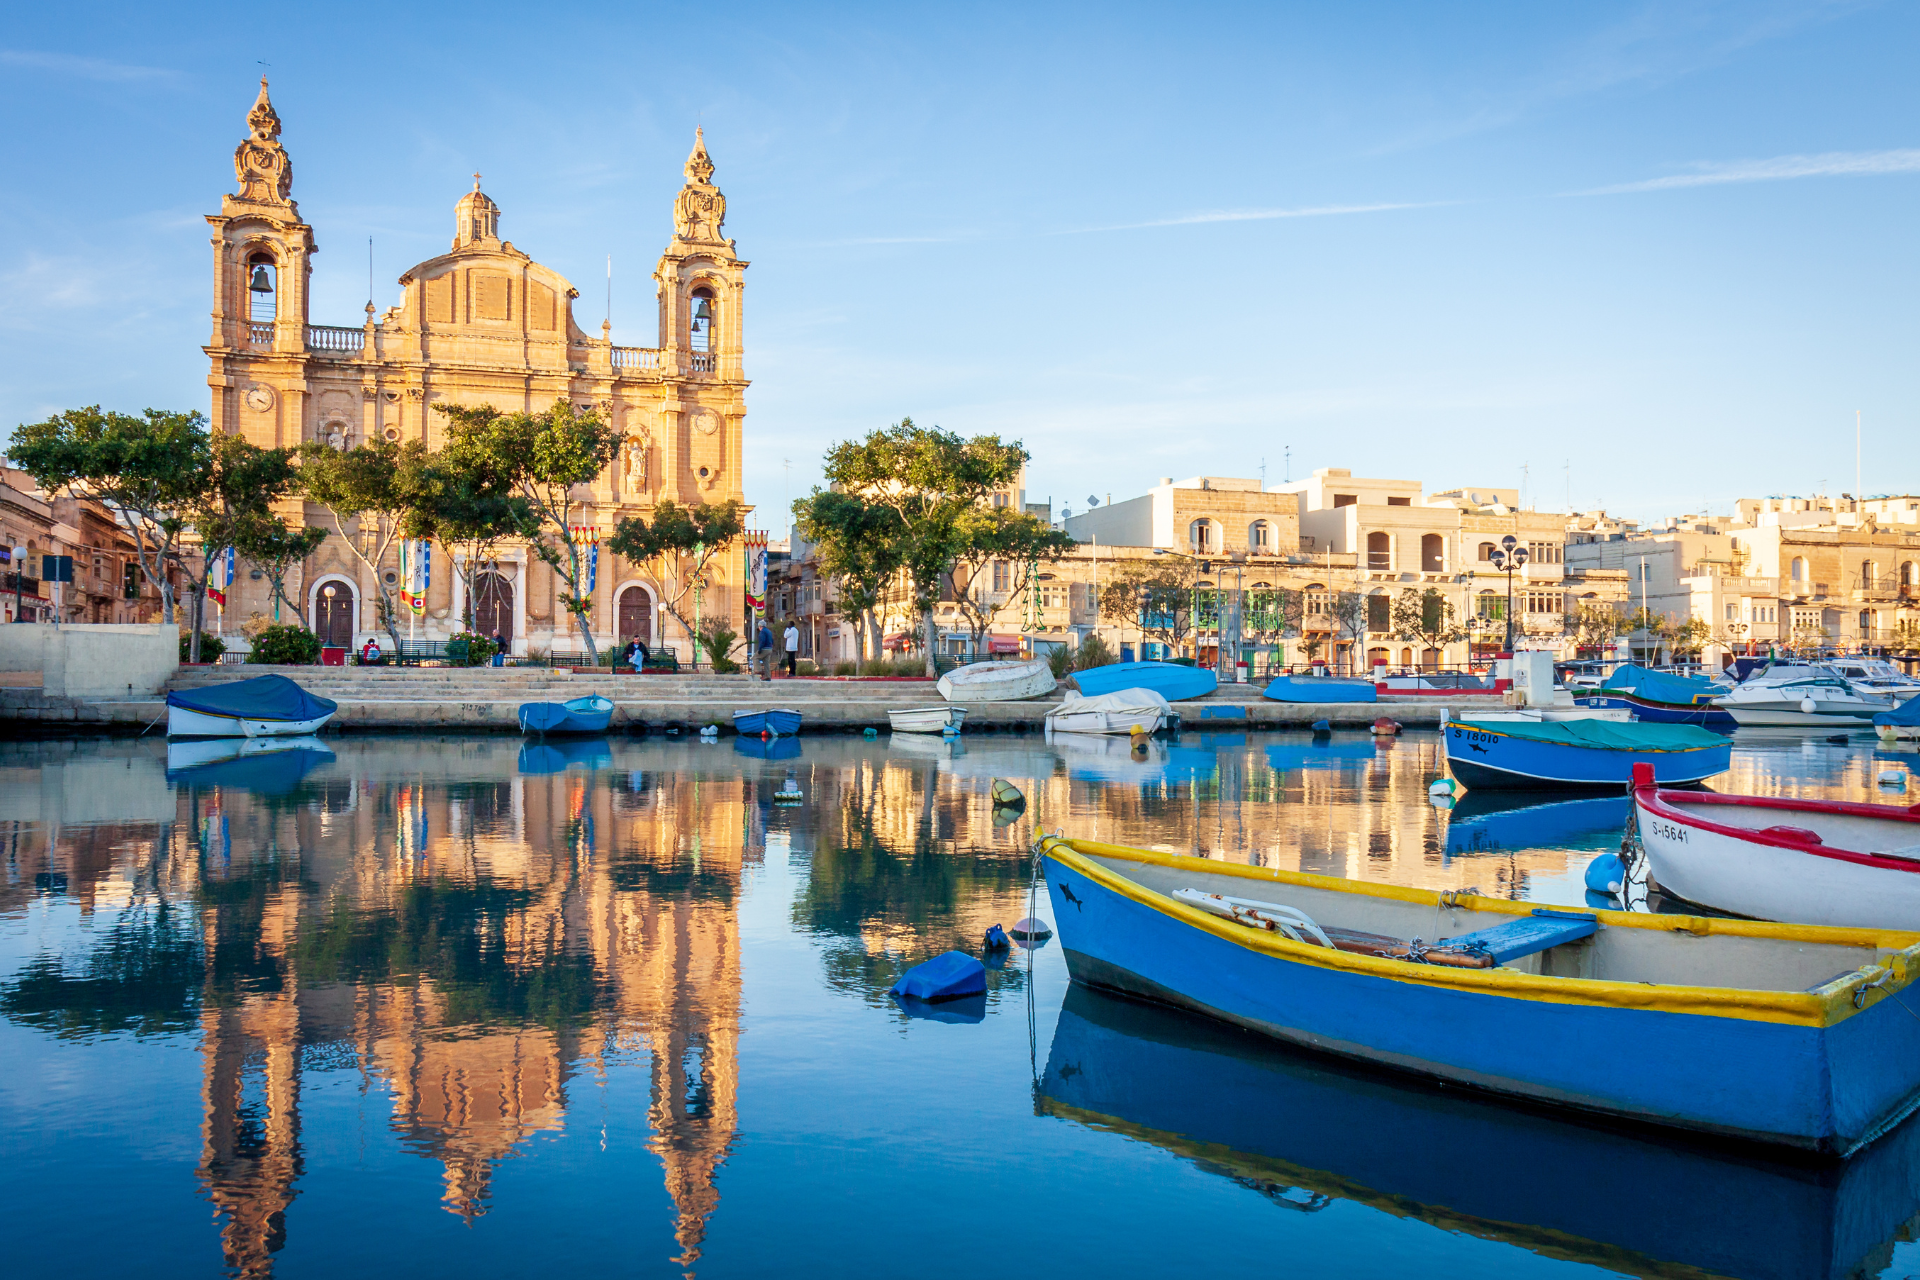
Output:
[[700, 280], [261, 248]]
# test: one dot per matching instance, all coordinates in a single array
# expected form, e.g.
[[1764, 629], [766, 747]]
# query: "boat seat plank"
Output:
[[1526, 935]]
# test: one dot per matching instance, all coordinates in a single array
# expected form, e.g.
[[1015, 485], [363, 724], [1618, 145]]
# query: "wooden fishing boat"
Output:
[[1661, 697], [1815, 861], [781, 722], [1784, 1034], [1494, 751], [263, 707], [590, 714], [1121, 712], [1174, 681], [997, 682], [942, 719]]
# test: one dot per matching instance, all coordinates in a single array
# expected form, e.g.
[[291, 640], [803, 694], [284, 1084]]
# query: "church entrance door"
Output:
[[493, 606], [636, 616], [333, 612]]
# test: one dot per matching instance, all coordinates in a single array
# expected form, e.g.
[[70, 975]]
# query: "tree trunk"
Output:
[[930, 637], [593, 652], [199, 612]]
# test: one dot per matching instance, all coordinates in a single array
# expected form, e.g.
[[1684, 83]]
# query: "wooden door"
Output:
[[636, 616], [333, 615], [493, 606]]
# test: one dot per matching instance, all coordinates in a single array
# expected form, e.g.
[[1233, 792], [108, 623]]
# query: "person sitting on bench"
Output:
[[370, 655]]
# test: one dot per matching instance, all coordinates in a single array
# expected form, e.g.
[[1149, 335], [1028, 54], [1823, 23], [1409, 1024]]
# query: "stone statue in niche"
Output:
[[336, 433], [634, 453]]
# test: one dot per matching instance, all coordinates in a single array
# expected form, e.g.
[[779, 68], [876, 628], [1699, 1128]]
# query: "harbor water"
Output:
[[465, 1005]]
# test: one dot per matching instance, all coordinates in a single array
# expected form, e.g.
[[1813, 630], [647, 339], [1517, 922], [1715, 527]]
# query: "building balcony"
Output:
[[1882, 589], [705, 362], [636, 359], [335, 340]]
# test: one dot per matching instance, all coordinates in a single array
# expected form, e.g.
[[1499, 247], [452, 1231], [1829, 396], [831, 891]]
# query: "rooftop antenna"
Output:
[[369, 273], [1263, 473], [609, 292], [1856, 460], [1288, 472]]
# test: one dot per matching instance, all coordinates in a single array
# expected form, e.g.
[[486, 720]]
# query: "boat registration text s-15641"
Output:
[[1667, 830]]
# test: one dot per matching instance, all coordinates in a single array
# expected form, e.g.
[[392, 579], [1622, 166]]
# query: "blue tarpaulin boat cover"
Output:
[[1606, 735], [1660, 686], [943, 978], [1320, 689], [1906, 713], [261, 698]]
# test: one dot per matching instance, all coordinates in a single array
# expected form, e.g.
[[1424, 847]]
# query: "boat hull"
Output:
[[1826, 1086], [1480, 755], [781, 722], [1174, 681], [183, 723], [582, 715], [927, 719], [997, 682], [1149, 719], [1765, 880], [1706, 717], [1782, 717]]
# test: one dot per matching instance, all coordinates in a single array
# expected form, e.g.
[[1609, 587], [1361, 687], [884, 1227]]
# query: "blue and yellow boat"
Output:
[[1795, 1035], [1558, 755]]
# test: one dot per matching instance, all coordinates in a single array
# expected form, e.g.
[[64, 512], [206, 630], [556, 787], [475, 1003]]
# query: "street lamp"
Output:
[[1509, 555]]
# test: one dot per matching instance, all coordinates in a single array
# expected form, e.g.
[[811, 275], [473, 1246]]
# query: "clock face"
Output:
[[259, 399], [706, 421]]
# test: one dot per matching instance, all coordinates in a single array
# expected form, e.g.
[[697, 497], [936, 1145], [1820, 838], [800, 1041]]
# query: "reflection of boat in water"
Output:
[[1306, 1131], [781, 748], [925, 746], [1328, 753], [1499, 821], [543, 757], [266, 766]]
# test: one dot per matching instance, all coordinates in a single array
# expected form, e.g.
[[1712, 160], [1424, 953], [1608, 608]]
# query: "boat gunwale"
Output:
[[1821, 1007], [1582, 746], [1651, 799]]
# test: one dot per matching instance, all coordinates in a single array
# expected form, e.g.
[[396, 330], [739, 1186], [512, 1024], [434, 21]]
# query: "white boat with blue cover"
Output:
[[1794, 1035], [263, 707], [591, 714], [1570, 754], [1174, 681]]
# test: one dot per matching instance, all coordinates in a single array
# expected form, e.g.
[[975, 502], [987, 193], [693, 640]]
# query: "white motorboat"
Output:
[[1875, 675], [997, 681], [1818, 700], [1122, 712], [943, 719], [1802, 861], [263, 707]]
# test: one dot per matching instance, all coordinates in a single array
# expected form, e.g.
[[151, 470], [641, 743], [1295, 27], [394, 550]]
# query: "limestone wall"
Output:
[[92, 660]]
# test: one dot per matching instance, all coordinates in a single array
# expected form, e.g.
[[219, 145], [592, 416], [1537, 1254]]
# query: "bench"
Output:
[[664, 660], [1545, 928], [412, 653]]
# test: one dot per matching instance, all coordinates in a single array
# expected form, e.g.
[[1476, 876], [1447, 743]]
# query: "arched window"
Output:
[[1379, 553], [1799, 569], [262, 284], [1201, 537], [1260, 537], [1486, 552], [705, 312], [1433, 553]]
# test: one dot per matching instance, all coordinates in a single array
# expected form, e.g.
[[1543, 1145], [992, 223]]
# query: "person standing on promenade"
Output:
[[764, 646], [793, 647]]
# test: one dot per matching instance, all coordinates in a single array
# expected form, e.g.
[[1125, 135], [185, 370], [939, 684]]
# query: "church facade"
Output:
[[482, 324]]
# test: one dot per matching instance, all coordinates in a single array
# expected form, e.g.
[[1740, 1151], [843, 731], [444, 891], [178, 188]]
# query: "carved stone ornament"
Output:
[[259, 399], [699, 211], [260, 163]]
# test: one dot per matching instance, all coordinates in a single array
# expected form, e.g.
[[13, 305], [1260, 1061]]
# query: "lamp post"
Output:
[[1509, 555]]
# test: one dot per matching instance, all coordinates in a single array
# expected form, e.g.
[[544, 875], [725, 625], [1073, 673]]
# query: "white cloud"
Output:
[[1828, 164], [85, 68]]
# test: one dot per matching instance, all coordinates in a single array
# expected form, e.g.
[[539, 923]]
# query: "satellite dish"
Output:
[[1064, 513], [1092, 501]]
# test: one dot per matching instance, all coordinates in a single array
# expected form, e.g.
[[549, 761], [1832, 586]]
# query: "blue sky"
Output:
[[1656, 254]]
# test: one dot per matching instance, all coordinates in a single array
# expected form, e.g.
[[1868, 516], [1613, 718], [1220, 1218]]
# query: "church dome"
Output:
[[476, 219]]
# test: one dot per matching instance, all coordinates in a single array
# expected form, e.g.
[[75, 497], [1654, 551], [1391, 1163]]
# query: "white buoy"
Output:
[[1809, 706], [1443, 787], [1893, 778]]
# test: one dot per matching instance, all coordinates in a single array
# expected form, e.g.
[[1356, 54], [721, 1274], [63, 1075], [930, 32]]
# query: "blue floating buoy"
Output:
[[945, 977], [869, 733], [1323, 726], [996, 939], [1606, 873]]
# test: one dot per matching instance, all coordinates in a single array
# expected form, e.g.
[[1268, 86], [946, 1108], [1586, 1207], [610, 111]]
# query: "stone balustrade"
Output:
[[635, 358], [336, 338]]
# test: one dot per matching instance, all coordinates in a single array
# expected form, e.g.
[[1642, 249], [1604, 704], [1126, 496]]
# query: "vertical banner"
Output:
[[422, 576], [756, 540]]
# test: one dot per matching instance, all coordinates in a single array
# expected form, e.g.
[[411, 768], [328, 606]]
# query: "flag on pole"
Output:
[[756, 569], [422, 576]]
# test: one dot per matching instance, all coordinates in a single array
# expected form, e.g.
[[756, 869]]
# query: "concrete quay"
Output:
[[487, 699]]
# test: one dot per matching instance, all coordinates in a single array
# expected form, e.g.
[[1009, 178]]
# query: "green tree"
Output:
[[471, 509], [931, 479], [1593, 625], [681, 542], [542, 458], [1155, 596], [1426, 617], [857, 546], [146, 467], [1349, 611], [380, 489], [986, 534], [237, 488], [1690, 637], [266, 540]]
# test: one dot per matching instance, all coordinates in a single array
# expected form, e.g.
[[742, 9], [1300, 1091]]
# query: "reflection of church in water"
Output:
[[567, 939]]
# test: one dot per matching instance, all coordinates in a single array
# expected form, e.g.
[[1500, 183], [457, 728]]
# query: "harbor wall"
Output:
[[91, 660]]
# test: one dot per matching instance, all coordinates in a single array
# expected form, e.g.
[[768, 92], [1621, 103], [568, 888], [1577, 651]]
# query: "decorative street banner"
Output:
[[590, 536], [756, 540]]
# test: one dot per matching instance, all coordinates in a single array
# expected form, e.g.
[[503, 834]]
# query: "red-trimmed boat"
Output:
[[1804, 861]]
